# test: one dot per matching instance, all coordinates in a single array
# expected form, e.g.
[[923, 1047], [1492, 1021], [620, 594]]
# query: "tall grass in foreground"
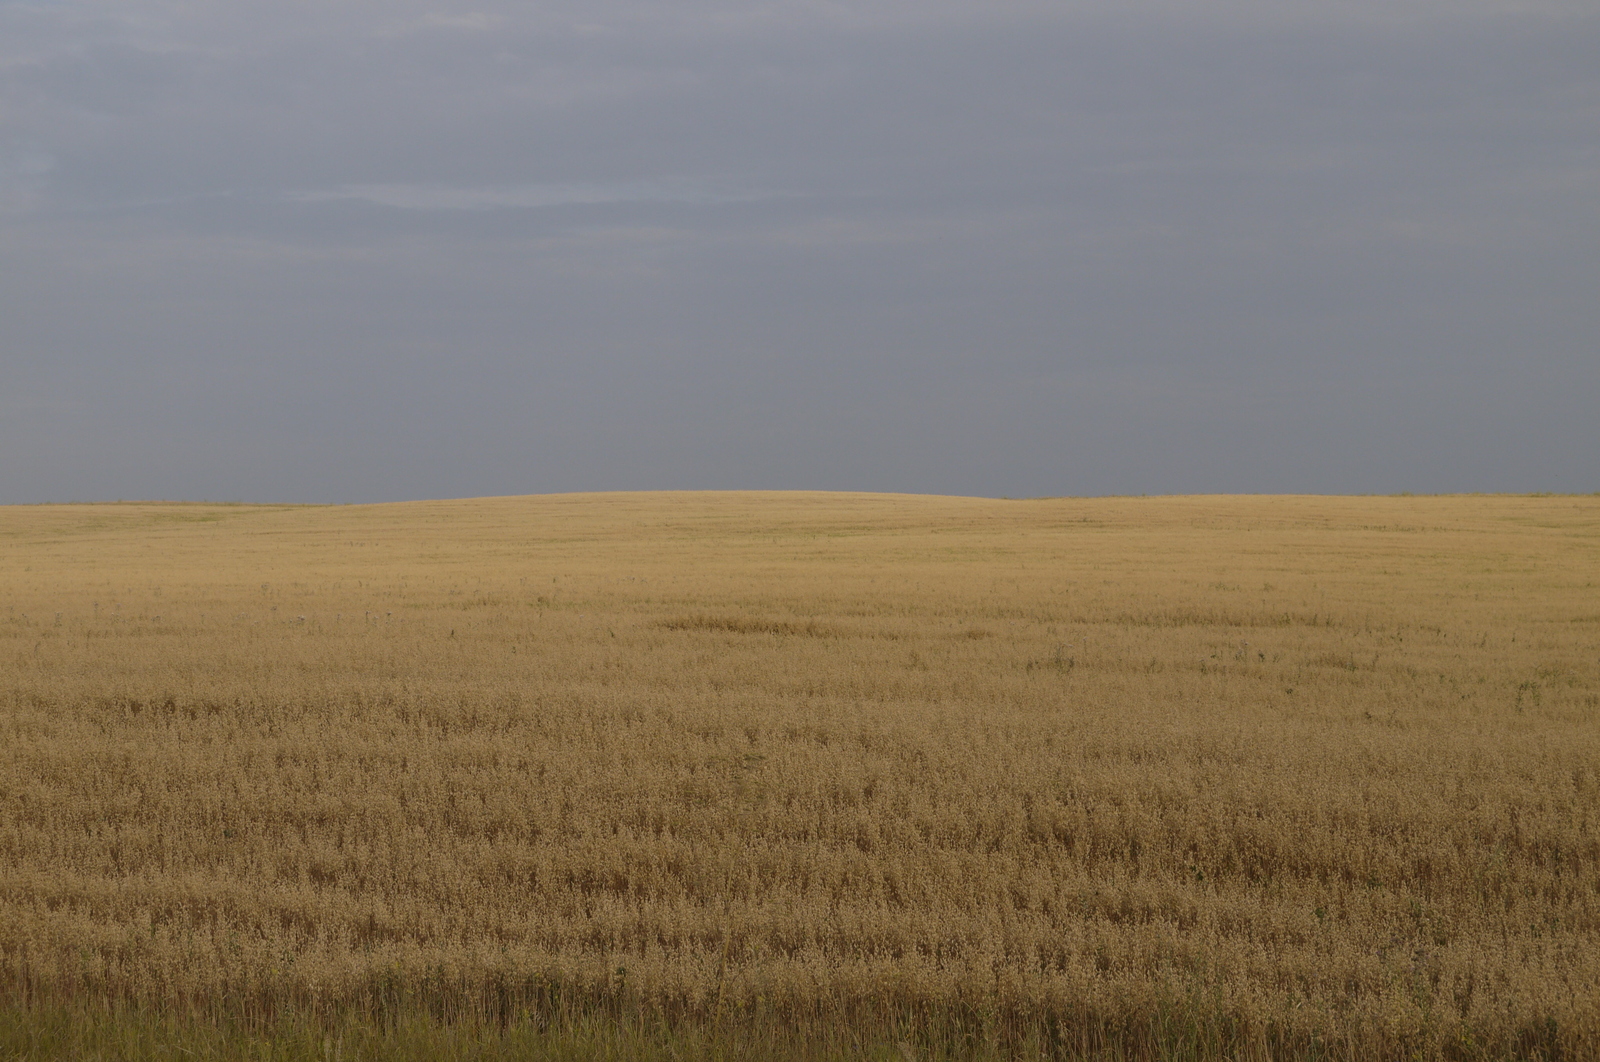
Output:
[[611, 1031], [1208, 778]]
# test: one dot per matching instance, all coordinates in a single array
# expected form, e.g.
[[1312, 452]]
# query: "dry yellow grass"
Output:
[[1323, 770]]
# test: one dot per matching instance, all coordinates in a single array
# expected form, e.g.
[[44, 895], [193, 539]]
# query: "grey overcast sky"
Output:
[[352, 250]]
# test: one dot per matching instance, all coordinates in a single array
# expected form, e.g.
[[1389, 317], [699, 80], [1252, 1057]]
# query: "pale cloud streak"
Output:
[[524, 197]]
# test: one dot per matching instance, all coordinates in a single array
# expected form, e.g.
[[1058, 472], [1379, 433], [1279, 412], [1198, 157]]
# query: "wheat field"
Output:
[[1318, 777]]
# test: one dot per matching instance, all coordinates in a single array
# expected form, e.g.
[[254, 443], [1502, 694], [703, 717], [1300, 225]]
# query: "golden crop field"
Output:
[[1313, 776]]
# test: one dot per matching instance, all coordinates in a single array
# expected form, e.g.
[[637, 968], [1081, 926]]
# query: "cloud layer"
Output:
[[359, 251]]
